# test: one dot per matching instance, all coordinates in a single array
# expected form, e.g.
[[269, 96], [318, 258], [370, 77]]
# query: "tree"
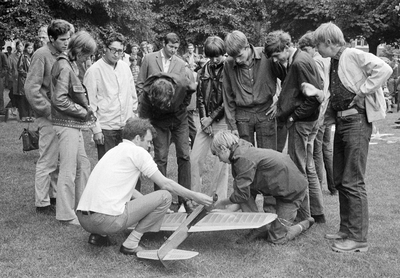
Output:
[[376, 20]]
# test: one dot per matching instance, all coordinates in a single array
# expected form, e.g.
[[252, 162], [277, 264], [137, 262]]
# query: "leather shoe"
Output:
[[253, 235], [320, 218], [348, 246], [338, 235], [130, 251], [99, 240]]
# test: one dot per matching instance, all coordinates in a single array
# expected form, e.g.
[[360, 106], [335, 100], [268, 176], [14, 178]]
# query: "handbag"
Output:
[[30, 139]]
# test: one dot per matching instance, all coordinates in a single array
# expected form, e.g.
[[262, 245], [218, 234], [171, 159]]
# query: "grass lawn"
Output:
[[33, 245]]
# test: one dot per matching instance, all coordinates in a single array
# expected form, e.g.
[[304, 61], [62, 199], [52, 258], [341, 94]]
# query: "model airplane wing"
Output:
[[219, 221]]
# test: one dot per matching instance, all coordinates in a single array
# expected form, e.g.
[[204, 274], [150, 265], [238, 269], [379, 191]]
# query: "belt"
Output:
[[87, 212], [347, 112]]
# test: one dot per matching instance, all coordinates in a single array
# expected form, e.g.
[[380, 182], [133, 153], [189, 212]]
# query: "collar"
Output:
[[339, 53], [163, 56], [291, 57], [52, 49]]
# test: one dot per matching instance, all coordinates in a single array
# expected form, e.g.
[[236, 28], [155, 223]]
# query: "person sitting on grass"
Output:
[[267, 172], [110, 203]]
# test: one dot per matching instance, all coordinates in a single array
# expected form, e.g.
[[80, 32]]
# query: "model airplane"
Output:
[[200, 220]]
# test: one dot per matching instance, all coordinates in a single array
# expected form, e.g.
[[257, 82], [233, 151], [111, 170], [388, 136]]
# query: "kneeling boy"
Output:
[[267, 172]]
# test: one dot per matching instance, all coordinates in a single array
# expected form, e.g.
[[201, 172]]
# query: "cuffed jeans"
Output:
[[148, 211], [220, 170], [300, 149], [111, 139], [74, 171], [178, 132], [350, 152], [47, 164], [323, 156]]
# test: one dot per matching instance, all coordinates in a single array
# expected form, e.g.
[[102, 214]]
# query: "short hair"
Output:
[[190, 44], [214, 46], [276, 41], [58, 27], [223, 138], [114, 37], [143, 43], [135, 45], [27, 44], [161, 93], [81, 43], [235, 42], [329, 31], [307, 40], [43, 29], [137, 126], [172, 38]]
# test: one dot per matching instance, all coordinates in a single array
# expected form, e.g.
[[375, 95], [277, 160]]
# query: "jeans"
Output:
[[111, 139], [220, 170], [47, 164], [192, 126], [287, 213], [178, 132], [249, 122], [74, 171], [300, 149], [148, 211], [323, 156], [350, 152]]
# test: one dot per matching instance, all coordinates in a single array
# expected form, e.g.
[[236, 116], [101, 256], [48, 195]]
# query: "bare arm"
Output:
[[174, 187]]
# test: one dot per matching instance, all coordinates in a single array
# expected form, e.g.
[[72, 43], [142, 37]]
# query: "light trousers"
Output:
[[220, 170], [47, 164], [74, 171]]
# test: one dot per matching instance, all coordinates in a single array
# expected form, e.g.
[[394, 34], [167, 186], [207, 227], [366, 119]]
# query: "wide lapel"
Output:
[[159, 61], [172, 64]]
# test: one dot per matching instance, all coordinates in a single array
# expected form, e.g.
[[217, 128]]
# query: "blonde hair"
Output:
[[222, 139], [235, 42], [329, 31], [81, 43]]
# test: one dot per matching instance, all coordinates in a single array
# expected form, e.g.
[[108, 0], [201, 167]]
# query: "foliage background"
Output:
[[194, 20]]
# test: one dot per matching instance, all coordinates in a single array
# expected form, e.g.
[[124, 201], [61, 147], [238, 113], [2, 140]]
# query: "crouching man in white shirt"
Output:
[[110, 203]]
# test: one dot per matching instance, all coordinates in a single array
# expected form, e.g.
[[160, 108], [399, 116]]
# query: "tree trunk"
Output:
[[373, 44]]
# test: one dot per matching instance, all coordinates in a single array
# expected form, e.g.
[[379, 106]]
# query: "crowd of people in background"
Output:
[[268, 111]]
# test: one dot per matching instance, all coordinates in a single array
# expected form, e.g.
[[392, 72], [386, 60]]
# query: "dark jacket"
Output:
[[292, 102], [69, 100], [264, 171], [209, 93], [177, 111]]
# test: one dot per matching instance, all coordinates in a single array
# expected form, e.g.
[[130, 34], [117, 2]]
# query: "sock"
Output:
[[133, 239]]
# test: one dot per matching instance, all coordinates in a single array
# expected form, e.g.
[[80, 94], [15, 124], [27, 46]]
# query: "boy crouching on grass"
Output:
[[267, 172]]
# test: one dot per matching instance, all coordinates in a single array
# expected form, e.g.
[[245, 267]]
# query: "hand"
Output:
[[206, 121], [235, 132], [202, 199], [90, 117], [98, 138], [272, 111], [208, 130], [309, 90], [356, 100]]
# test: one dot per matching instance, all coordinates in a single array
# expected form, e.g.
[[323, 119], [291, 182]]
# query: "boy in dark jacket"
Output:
[[266, 172], [299, 111]]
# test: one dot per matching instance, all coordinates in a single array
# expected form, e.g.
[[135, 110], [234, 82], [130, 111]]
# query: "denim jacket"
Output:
[[364, 74], [69, 100]]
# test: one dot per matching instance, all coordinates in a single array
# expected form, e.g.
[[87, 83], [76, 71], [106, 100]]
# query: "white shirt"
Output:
[[112, 94], [166, 62], [113, 180]]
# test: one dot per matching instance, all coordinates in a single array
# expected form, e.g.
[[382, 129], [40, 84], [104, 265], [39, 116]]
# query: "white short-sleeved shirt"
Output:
[[113, 180]]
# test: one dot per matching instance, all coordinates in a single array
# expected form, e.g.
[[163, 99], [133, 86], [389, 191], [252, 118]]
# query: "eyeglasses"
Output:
[[113, 50]]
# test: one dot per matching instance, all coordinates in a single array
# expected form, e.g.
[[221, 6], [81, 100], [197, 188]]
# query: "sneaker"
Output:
[[348, 246]]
